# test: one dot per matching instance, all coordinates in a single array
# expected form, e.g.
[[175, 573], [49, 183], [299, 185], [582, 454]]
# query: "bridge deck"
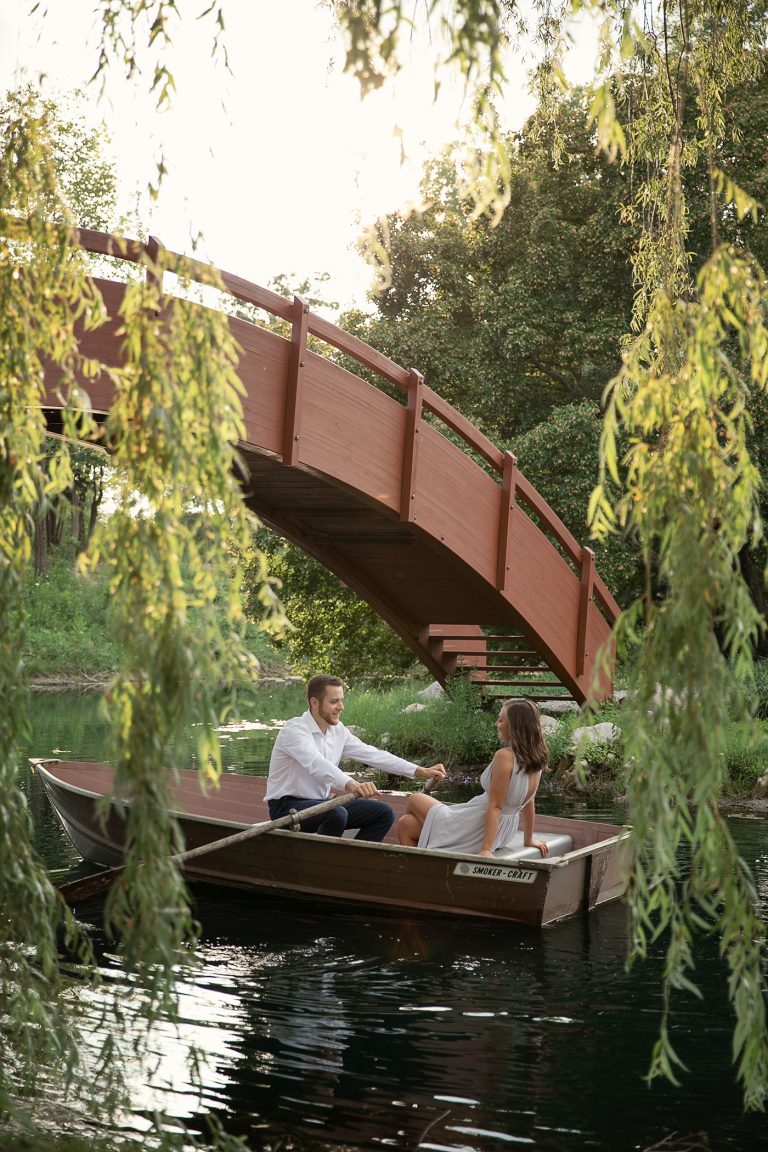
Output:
[[443, 539]]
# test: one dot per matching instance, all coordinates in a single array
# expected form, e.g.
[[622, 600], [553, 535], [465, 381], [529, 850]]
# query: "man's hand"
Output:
[[436, 772], [362, 788]]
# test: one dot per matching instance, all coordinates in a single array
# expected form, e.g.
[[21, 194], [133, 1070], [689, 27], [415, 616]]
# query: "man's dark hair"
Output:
[[317, 685]]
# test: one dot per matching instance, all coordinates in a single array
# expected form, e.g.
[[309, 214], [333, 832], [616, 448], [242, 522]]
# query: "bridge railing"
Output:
[[516, 489]]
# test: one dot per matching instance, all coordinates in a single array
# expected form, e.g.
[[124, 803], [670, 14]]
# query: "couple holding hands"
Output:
[[304, 771]]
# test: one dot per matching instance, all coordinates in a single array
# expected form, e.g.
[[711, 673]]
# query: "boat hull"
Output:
[[383, 877]]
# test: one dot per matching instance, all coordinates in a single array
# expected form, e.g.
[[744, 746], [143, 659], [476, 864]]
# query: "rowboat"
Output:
[[584, 868]]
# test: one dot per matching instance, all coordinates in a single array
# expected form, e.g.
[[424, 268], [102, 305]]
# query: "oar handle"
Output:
[[91, 887], [269, 826]]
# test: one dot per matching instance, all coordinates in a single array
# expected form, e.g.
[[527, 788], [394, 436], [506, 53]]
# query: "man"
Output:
[[304, 768]]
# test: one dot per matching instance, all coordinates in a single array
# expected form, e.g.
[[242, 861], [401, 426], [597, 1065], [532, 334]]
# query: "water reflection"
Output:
[[363, 1032], [434, 1035]]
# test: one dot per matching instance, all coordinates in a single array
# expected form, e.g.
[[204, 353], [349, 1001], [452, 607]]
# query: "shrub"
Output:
[[746, 756], [758, 690]]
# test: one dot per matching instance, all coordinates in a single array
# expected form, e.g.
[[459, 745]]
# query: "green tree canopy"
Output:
[[509, 321]]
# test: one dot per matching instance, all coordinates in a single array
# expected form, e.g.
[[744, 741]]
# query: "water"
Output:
[[371, 1032]]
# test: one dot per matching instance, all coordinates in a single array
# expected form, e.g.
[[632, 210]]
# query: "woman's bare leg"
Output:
[[408, 831], [409, 826]]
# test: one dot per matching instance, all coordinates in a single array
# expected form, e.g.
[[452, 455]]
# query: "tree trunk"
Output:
[[41, 543], [87, 527], [77, 513], [754, 578]]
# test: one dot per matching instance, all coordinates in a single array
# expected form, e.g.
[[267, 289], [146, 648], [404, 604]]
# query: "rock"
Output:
[[606, 733], [570, 782], [564, 764], [432, 692], [557, 707], [414, 708], [760, 790], [549, 724]]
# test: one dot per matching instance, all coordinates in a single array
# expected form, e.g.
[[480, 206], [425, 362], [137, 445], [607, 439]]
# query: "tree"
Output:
[[177, 652], [330, 628], [698, 351], [481, 309]]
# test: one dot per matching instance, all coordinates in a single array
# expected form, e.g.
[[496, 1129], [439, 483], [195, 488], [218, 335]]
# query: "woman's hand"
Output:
[[485, 852], [542, 846]]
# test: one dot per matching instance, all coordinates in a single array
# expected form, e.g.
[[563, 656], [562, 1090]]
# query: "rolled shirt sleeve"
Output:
[[376, 757]]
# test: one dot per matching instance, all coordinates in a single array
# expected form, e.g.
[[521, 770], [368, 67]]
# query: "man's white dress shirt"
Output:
[[305, 760]]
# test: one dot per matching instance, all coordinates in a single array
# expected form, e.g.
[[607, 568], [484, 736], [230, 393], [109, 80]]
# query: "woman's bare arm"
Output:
[[528, 817], [501, 771]]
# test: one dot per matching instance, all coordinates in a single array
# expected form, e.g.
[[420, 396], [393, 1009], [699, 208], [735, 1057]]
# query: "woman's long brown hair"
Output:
[[526, 738]]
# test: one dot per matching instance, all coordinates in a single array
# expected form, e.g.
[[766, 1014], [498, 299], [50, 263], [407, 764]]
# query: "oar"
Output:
[[91, 887]]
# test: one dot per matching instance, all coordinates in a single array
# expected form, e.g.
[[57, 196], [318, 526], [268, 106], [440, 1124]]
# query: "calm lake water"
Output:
[[371, 1032]]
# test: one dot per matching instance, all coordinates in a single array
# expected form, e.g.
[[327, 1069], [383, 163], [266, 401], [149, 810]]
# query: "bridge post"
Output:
[[295, 381], [411, 446], [585, 599], [154, 269], [506, 509]]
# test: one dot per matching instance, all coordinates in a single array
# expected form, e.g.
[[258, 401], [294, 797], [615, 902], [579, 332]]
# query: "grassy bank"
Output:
[[454, 729], [67, 628], [68, 639]]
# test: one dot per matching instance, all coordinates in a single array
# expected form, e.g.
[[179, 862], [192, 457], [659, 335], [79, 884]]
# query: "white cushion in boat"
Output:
[[558, 842]]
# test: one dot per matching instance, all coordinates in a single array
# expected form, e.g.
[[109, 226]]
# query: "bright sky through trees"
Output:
[[279, 164]]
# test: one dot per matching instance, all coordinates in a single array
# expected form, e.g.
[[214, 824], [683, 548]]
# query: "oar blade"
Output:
[[90, 887]]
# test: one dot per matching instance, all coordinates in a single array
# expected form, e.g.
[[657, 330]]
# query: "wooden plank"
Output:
[[585, 599], [411, 446], [295, 383], [506, 511]]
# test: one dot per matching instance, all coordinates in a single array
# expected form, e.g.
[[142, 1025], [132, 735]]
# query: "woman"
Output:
[[509, 785]]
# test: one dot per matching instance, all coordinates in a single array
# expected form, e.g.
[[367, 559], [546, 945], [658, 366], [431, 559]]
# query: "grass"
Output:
[[746, 756], [452, 729], [67, 629]]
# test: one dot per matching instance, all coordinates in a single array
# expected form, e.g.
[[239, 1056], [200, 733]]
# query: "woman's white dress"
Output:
[[461, 827]]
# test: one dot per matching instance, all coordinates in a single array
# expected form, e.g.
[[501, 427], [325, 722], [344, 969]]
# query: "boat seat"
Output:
[[559, 843]]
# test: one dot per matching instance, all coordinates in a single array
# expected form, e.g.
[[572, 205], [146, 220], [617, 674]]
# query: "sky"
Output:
[[277, 163]]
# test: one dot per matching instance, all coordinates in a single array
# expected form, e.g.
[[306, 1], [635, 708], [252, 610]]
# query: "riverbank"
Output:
[[423, 723]]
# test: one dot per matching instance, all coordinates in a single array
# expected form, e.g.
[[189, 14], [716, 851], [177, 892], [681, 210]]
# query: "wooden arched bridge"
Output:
[[441, 534]]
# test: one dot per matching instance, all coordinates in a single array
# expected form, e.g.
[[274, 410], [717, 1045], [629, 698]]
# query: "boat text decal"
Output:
[[495, 872]]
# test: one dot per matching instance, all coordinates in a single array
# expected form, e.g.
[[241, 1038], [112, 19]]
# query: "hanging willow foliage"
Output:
[[43, 287], [170, 546], [697, 354]]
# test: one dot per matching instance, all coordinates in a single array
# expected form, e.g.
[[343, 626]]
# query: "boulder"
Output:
[[432, 692], [606, 733], [760, 791], [557, 707], [549, 725], [414, 708]]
